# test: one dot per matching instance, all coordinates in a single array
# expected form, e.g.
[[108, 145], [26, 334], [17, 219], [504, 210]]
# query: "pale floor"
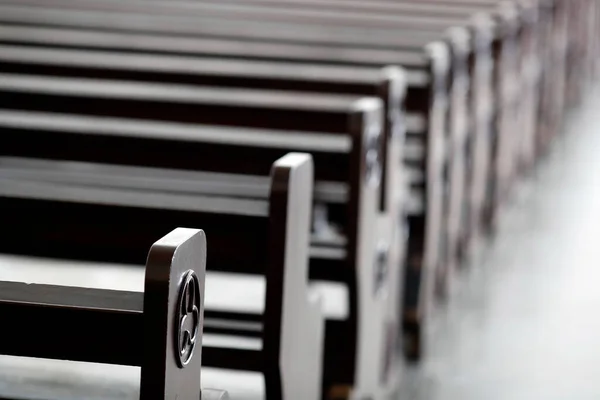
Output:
[[525, 322]]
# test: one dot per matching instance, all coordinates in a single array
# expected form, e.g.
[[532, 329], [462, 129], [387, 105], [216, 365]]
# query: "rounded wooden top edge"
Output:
[[460, 37], [367, 105], [178, 236], [167, 247], [294, 171], [396, 77], [294, 160], [439, 54], [395, 73]]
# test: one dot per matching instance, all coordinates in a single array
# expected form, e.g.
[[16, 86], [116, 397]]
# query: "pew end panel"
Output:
[[437, 169], [293, 321], [392, 92], [349, 344], [483, 108], [426, 237], [371, 273], [175, 271], [391, 223], [458, 41], [506, 98], [522, 146]]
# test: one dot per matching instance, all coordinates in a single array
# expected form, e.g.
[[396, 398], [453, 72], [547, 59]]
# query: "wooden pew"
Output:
[[550, 24], [92, 225], [545, 20], [417, 98], [550, 96], [418, 232], [168, 353], [544, 33], [343, 135], [238, 22], [506, 100], [212, 9], [517, 155], [387, 83], [540, 73]]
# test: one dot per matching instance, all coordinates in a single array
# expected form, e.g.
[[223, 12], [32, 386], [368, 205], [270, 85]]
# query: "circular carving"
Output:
[[381, 266], [373, 153], [398, 122], [187, 318]]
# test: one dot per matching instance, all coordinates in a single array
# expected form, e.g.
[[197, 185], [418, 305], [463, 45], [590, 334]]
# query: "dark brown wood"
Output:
[[359, 131], [245, 11], [508, 22], [110, 317], [416, 98], [420, 101], [388, 83], [548, 25], [433, 26], [118, 312], [287, 305], [416, 44]]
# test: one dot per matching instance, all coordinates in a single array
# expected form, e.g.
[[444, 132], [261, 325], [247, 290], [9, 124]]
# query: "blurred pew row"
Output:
[[259, 199]]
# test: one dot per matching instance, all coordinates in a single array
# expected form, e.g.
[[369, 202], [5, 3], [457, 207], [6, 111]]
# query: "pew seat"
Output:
[[225, 292]]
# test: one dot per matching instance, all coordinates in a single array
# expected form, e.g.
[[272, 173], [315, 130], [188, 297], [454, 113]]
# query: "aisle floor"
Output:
[[525, 322]]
